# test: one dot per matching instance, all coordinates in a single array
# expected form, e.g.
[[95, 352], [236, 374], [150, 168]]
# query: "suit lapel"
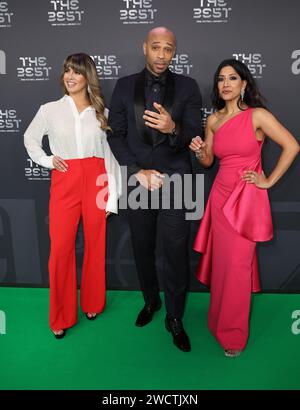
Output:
[[168, 101], [139, 107]]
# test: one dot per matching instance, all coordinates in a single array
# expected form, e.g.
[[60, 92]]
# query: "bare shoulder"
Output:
[[261, 113], [211, 120]]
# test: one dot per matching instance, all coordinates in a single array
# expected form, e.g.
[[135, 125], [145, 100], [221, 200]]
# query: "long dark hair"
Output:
[[85, 65], [252, 97]]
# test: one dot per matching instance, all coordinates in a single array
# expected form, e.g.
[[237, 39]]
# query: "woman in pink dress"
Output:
[[237, 213]]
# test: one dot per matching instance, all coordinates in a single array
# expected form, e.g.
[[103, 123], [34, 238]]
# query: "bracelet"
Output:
[[200, 156]]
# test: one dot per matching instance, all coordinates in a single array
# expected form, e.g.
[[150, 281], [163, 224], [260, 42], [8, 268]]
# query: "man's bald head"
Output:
[[159, 49], [161, 31]]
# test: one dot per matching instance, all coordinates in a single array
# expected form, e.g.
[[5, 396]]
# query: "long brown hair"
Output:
[[84, 64]]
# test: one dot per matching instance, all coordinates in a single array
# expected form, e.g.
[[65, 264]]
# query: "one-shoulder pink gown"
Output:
[[237, 215]]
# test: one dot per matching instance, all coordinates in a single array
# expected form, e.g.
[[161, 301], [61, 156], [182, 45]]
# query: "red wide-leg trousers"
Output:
[[73, 195]]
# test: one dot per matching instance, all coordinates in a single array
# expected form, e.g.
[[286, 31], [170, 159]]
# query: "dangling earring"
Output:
[[89, 89], [242, 94]]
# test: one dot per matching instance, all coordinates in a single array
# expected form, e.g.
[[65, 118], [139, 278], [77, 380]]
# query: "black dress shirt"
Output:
[[154, 92]]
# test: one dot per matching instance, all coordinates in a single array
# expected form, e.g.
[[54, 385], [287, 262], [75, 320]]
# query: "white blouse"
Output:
[[72, 135]]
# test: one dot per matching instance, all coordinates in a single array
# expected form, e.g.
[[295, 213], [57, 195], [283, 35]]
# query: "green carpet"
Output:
[[111, 353]]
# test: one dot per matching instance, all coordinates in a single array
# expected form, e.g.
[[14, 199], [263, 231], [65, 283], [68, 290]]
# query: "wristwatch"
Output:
[[173, 132]]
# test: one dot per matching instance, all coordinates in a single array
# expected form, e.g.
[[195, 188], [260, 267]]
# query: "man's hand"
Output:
[[150, 179], [161, 121]]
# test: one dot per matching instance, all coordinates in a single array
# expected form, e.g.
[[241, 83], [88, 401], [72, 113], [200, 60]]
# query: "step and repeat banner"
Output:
[[36, 36]]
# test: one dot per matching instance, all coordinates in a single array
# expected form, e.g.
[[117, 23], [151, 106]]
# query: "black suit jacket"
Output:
[[130, 140]]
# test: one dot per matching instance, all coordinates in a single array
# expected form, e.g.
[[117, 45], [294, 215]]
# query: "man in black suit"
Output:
[[154, 115]]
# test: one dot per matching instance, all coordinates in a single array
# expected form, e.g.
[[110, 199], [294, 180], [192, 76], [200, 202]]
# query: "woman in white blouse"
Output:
[[84, 174]]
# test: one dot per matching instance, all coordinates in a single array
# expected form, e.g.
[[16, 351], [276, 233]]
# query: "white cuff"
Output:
[[112, 204], [47, 161]]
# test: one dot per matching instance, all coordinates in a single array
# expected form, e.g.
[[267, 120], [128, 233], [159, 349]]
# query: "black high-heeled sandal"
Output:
[[60, 335], [90, 317]]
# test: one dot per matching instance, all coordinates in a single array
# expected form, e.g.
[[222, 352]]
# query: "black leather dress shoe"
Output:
[[180, 338], [146, 314]]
